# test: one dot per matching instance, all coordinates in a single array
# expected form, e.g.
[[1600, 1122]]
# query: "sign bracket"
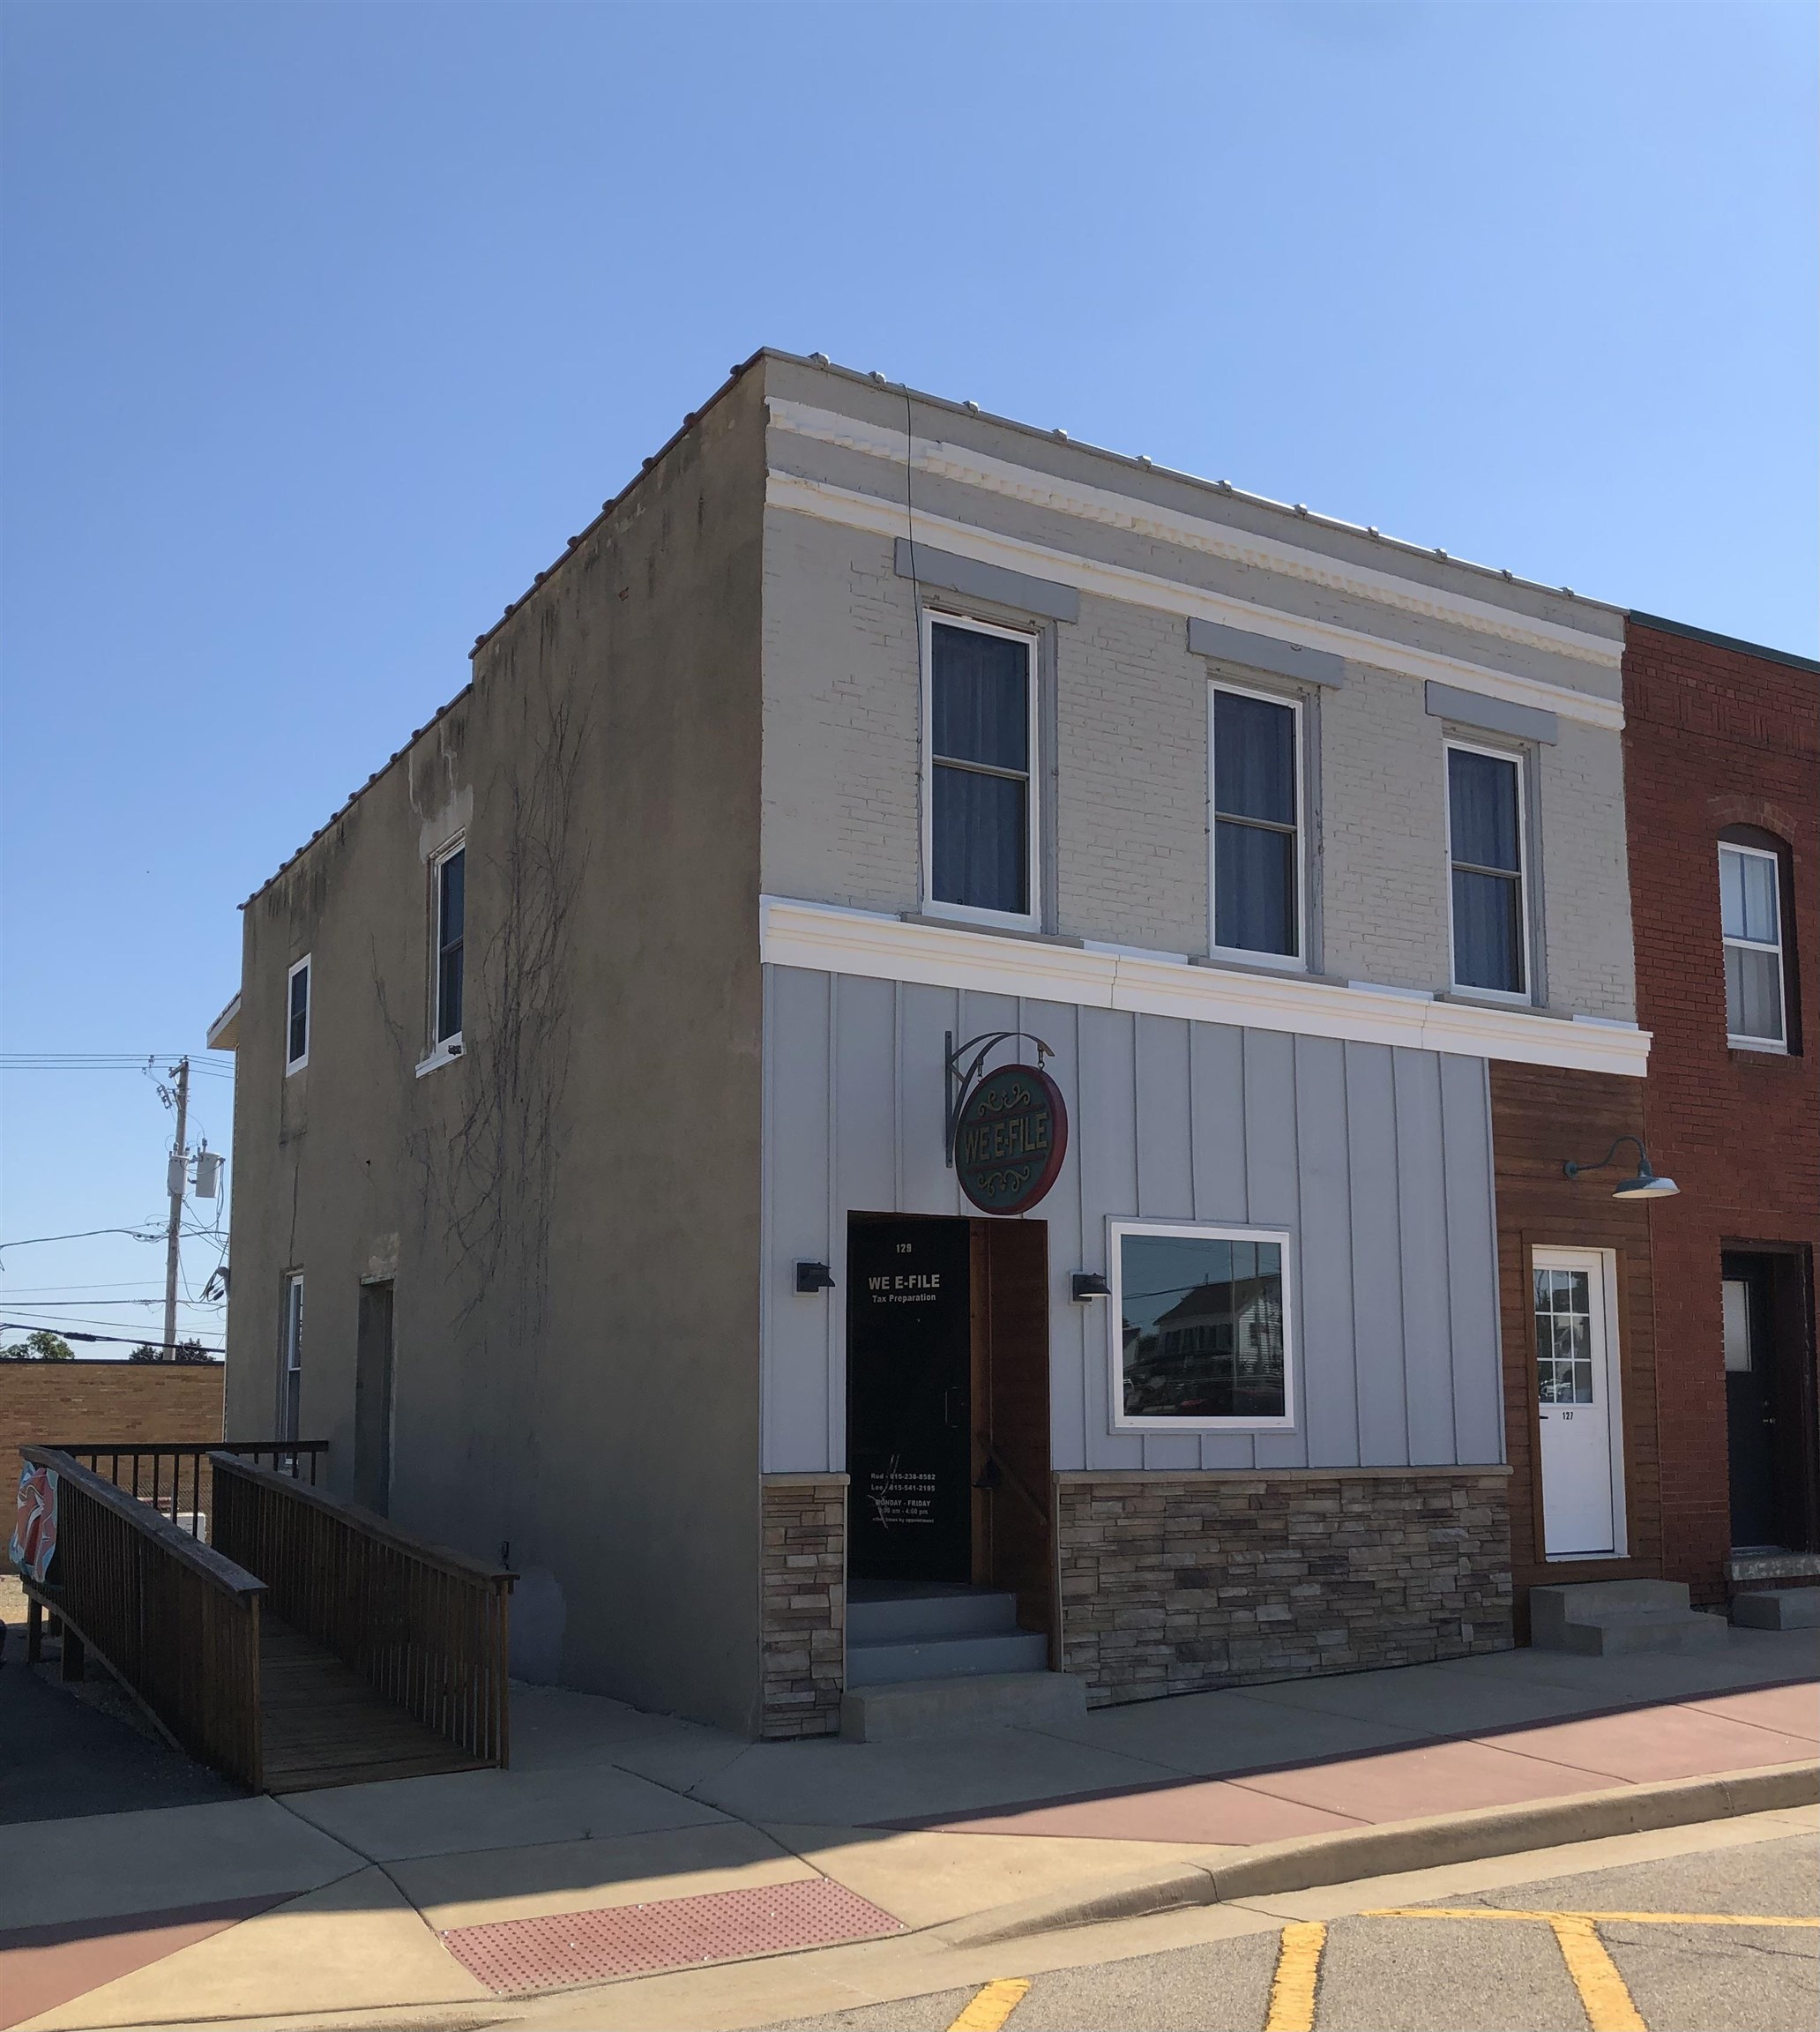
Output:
[[962, 1082]]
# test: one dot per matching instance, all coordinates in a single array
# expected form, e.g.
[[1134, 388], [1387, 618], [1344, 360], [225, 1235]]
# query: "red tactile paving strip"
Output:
[[518, 1955]]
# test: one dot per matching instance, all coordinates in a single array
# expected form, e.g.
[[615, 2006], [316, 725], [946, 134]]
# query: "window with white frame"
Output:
[[290, 1381], [297, 1017], [1490, 923], [979, 814], [1200, 1328], [1750, 920], [451, 877], [1257, 857]]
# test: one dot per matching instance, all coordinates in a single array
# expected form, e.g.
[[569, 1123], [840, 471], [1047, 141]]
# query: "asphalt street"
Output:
[[1407, 1970]]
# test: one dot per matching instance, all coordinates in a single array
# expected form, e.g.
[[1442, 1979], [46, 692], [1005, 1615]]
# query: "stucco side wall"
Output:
[[571, 1209]]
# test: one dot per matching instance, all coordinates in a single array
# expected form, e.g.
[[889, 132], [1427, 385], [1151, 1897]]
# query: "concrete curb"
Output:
[[1402, 1845]]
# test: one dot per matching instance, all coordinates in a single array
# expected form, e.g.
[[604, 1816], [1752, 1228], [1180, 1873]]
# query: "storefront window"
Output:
[[1200, 1327]]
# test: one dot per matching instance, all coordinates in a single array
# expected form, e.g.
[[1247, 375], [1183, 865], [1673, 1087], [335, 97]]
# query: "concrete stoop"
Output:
[[1778, 1609], [1611, 1619], [937, 1660], [957, 1706]]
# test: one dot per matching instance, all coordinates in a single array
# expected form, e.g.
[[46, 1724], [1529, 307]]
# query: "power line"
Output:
[[120, 1340], [87, 1234]]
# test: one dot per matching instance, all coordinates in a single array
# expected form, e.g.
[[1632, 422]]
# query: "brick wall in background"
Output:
[[1540, 1117], [1174, 1583], [46, 1403], [1717, 735]]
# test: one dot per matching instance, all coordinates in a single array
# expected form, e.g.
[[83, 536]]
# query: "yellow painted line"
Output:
[[1292, 1990], [1604, 1997], [1598, 1918], [990, 2009]]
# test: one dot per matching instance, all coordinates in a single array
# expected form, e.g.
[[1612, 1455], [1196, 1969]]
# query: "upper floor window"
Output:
[[1258, 861], [297, 1017], [290, 1378], [980, 819], [450, 919], [1485, 866], [1750, 919]]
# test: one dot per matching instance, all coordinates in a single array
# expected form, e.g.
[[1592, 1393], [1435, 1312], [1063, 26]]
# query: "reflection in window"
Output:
[[1751, 918], [1201, 1326], [1485, 847], [1255, 884], [1564, 1319], [979, 696]]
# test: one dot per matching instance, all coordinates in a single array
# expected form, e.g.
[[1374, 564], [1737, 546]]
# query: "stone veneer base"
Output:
[[1176, 1583], [803, 1610]]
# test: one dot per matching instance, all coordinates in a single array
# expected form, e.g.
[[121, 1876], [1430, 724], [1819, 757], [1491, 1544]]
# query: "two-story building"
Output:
[[613, 1186]]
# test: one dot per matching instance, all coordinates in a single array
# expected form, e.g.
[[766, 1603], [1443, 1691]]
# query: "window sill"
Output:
[[1011, 928], [1760, 1053], [445, 1054], [1223, 960]]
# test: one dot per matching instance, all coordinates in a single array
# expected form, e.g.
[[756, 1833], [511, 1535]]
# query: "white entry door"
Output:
[[1577, 1392]]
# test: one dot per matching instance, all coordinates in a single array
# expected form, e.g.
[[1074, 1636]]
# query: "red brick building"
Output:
[[1722, 791]]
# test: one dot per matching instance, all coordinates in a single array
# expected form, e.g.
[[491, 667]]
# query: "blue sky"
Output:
[[323, 326]]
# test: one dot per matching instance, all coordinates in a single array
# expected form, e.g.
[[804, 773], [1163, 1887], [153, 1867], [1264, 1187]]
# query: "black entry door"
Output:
[[1750, 1401], [909, 1400]]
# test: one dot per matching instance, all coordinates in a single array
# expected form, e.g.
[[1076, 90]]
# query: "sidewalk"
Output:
[[622, 1843]]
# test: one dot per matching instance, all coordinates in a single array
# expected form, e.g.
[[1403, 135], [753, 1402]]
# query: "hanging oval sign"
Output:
[[1010, 1139]]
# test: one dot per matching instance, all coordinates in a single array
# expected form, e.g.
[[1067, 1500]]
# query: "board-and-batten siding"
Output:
[[1377, 1160]]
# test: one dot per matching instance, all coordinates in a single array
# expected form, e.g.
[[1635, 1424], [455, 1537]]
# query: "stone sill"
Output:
[[807, 1479], [1075, 1476]]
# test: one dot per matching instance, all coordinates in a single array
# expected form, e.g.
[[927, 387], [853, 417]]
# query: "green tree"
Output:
[[42, 1346]]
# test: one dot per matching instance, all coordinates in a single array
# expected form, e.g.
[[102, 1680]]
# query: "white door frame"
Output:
[[1603, 1263]]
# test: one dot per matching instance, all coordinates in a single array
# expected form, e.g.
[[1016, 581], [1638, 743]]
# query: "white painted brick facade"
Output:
[[842, 823]]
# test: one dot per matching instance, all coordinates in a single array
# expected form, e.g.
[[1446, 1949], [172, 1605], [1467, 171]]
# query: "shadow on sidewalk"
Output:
[[69, 1751]]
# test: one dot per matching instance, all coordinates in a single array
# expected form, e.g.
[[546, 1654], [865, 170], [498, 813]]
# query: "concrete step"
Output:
[[1612, 1618], [890, 1713], [1778, 1609], [929, 1612], [946, 1658]]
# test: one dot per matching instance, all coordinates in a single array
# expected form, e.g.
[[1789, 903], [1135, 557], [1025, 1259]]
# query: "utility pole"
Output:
[[178, 1177]]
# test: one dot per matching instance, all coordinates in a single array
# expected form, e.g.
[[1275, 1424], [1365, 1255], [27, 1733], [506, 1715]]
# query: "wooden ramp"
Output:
[[325, 1725]]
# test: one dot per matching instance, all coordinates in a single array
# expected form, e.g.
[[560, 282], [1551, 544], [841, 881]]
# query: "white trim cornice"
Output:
[[826, 938], [1146, 519], [827, 503]]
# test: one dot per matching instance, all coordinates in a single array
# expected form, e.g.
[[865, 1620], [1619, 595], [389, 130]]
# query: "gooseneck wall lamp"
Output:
[[1644, 1185]]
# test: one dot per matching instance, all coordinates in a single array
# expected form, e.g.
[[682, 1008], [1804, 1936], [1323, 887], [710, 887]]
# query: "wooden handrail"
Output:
[[176, 1622], [191, 1551], [423, 1625], [174, 1475], [374, 1525]]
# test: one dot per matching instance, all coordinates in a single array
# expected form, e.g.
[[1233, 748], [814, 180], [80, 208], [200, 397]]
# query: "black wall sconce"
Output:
[[1644, 1185], [1090, 1284], [812, 1277]]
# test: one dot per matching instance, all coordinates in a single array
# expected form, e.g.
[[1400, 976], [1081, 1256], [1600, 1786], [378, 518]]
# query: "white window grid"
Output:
[[1519, 996], [1198, 1231], [447, 1046], [1296, 962], [1744, 1041], [302, 966], [1030, 919]]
